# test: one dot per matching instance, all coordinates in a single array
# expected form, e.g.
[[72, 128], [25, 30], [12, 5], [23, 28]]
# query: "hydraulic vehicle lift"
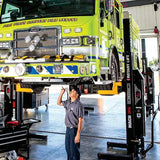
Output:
[[135, 107], [14, 129], [149, 82], [116, 89]]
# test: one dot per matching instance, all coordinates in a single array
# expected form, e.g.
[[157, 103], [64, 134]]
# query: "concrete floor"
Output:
[[105, 123]]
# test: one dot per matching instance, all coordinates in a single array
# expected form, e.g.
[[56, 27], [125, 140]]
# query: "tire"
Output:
[[114, 69]]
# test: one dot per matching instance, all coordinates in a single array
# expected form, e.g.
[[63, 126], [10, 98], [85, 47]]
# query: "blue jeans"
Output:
[[72, 149]]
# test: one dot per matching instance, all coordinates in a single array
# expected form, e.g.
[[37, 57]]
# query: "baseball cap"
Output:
[[77, 90]]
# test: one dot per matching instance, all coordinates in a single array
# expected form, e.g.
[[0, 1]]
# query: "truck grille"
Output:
[[36, 42]]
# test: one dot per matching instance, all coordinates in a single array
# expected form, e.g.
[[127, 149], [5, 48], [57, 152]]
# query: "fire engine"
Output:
[[63, 41]]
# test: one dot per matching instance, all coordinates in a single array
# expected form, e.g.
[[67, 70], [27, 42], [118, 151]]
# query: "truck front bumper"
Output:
[[49, 69]]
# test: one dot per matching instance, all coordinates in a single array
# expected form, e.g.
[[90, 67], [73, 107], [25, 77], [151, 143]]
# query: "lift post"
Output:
[[14, 133], [135, 108], [149, 81], [8, 101]]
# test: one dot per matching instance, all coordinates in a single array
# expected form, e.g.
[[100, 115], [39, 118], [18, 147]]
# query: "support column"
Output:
[[19, 106], [8, 101]]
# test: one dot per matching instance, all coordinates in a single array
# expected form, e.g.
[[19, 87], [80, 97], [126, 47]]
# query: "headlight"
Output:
[[1, 35], [20, 69], [91, 40], [8, 35], [27, 39], [67, 30], [31, 48], [78, 30], [39, 68], [4, 45], [71, 41], [36, 40], [6, 69]]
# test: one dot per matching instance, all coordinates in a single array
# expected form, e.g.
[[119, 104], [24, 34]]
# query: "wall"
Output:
[[145, 17]]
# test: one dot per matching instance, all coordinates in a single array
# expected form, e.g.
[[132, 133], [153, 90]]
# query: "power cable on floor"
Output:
[[90, 136]]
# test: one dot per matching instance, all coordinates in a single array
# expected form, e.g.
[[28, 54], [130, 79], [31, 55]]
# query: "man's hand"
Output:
[[77, 139], [80, 123], [62, 91], [59, 100]]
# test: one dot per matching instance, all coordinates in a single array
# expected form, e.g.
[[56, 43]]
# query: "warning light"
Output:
[[129, 110], [138, 94], [8, 90], [145, 89], [156, 31], [14, 104]]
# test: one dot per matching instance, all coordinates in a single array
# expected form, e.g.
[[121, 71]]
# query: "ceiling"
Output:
[[132, 3]]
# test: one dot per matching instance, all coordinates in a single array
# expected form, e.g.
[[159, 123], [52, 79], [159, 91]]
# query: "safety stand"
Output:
[[135, 109]]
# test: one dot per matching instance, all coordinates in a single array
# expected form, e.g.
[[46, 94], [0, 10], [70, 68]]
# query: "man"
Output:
[[73, 122]]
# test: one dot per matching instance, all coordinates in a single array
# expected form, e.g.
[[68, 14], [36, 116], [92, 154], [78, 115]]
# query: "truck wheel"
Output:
[[114, 68]]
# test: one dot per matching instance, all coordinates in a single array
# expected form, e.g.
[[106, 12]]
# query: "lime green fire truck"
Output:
[[67, 41], [135, 41]]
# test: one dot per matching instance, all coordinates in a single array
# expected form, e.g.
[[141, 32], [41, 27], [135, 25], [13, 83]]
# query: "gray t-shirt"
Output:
[[74, 111]]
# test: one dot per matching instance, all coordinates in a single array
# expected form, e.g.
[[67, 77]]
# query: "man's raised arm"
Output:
[[59, 100]]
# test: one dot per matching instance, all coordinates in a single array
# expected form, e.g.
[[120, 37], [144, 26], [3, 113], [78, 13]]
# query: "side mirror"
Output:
[[102, 17], [110, 6], [102, 23], [102, 13]]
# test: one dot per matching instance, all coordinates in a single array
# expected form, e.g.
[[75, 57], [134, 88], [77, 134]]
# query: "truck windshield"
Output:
[[14, 10]]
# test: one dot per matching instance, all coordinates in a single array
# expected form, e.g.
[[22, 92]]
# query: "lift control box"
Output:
[[150, 89], [139, 107]]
